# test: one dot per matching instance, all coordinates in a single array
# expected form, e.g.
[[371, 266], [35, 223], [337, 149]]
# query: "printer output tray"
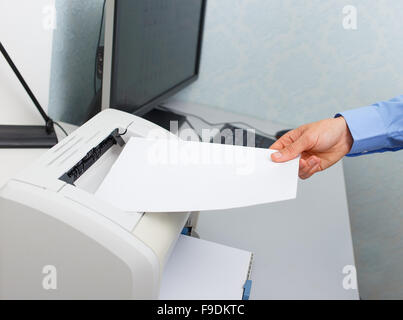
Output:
[[203, 270]]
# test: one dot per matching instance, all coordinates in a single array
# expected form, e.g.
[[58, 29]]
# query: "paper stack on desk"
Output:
[[204, 270], [179, 176]]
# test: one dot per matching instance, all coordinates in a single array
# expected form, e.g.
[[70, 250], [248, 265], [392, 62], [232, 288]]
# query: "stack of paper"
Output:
[[203, 270]]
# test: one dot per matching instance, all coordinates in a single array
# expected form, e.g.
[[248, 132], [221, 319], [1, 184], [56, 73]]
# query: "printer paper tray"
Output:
[[203, 270]]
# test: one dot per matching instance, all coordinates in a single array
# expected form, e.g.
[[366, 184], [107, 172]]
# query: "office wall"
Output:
[[73, 59], [26, 34], [291, 61]]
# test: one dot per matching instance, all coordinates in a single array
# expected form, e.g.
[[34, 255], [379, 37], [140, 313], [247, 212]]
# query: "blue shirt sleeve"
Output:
[[376, 128]]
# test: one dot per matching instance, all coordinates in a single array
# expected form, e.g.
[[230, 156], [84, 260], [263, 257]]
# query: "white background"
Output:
[[30, 46]]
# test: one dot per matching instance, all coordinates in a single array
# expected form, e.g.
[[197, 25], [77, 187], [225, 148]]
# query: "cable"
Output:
[[212, 124], [61, 128], [24, 84], [123, 133], [193, 128], [98, 44]]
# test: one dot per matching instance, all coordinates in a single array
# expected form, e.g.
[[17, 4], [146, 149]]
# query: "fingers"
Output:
[[278, 145], [291, 150], [309, 167], [293, 144], [314, 170], [282, 142], [303, 167]]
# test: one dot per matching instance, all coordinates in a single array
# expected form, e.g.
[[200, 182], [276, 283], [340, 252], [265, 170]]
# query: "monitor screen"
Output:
[[156, 51]]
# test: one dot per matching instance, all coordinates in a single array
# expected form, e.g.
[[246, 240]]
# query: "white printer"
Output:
[[50, 222]]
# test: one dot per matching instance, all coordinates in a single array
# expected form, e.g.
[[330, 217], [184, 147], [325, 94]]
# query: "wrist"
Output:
[[347, 138]]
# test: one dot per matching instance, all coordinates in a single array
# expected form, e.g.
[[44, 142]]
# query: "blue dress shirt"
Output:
[[376, 128]]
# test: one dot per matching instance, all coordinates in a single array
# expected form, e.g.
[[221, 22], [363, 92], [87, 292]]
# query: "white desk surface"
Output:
[[301, 246]]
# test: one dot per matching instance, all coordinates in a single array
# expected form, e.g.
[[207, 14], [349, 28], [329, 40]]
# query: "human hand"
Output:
[[321, 144]]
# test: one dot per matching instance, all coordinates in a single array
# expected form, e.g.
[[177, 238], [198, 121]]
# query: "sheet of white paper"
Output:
[[179, 176], [203, 270]]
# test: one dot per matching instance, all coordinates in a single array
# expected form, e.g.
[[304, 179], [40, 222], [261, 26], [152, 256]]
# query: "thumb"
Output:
[[292, 150]]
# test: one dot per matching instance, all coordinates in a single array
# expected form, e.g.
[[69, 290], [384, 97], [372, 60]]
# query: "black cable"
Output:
[[212, 124], [25, 85], [193, 128], [98, 44], [123, 133], [61, 128]]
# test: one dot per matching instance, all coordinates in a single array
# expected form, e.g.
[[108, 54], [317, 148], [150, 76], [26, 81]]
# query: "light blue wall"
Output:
[[292, 61], [73, 59]]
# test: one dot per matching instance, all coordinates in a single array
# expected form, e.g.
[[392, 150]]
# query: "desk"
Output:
[[301, 246]]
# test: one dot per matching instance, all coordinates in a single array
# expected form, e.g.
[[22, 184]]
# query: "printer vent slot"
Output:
[[64, 152], [64, 143], [92, 157], [93, 137]]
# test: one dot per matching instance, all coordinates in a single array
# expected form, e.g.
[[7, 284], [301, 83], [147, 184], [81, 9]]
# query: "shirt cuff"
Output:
[[367, 129]]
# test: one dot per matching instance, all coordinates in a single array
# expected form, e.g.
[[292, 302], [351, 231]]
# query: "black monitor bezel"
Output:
[[148, 106]]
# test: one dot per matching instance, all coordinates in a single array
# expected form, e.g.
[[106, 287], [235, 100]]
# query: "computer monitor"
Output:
[[152, 50]]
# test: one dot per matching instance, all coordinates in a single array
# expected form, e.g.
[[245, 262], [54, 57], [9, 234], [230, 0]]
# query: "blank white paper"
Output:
[[203, 270], [169, 175]]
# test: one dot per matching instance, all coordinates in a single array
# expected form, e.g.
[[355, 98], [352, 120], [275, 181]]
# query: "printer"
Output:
[[57, 241]]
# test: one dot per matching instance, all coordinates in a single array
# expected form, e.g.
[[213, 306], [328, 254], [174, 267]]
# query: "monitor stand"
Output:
[[17, 137], [163, 118], [27, 136]]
